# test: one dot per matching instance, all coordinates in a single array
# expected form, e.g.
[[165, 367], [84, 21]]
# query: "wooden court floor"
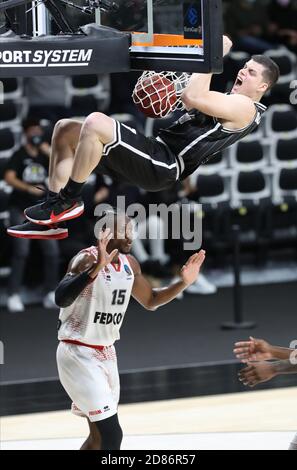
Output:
[[257, 411]]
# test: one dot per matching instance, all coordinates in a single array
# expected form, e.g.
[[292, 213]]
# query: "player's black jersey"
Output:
[[196, 137]]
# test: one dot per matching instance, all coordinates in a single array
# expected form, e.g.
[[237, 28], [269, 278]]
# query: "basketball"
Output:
[[155, 96]]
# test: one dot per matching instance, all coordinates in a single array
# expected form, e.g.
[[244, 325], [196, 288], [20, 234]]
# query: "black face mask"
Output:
[[36, 140]]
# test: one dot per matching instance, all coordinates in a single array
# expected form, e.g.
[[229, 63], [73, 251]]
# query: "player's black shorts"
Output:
[[139, 160]]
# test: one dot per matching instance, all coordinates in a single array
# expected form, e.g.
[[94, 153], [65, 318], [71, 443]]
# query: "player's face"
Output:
[[250, 80], [123, 236]]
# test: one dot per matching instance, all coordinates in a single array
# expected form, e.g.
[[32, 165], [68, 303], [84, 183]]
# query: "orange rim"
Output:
[[163, 40]]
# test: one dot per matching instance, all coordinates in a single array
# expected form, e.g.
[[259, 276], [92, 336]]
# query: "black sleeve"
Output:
[[14, 162], [70, 287]]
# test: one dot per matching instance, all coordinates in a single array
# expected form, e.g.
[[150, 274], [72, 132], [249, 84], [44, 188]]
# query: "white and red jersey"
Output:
[[96, 316]]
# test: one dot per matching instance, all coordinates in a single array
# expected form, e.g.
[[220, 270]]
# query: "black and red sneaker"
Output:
[[57, 208], [39, 232]]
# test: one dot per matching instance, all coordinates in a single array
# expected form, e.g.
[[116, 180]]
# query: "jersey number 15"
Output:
[[118, 297]]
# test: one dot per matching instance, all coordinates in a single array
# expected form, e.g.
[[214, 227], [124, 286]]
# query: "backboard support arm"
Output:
[[149, 36]]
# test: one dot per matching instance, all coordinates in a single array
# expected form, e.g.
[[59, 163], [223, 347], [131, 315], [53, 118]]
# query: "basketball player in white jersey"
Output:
[[94, 296], [255, 352], [214, 122]]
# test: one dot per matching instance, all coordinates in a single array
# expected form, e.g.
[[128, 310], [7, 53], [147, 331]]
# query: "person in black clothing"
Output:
[[27, 168], [283, 23], [214, 121]]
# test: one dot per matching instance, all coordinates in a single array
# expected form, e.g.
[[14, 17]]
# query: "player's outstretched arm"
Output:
[[151, 298], [82, 270], [259, 372], [259, 350]]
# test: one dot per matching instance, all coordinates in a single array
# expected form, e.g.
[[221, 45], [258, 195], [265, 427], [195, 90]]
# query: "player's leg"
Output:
[[92, 382], [129, 155], [111, 433], [109, 427], [93, 441], [105, 434], [64, 142], [95, 132]]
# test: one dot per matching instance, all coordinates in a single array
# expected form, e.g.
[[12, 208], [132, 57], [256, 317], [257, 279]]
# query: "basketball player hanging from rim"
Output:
[[214, 122], [94, 296]]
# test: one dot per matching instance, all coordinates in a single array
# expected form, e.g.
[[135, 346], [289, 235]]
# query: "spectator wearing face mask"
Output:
[[26, 169]]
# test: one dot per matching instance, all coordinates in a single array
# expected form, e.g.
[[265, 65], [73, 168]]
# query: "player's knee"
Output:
[[111, 433], [97, 123], [63, 127]]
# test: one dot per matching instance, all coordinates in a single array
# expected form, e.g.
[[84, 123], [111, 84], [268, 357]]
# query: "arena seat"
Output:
[[8, 143], [284, 184], [216, 164], [281, 121], [286, 61], [248, 154], [283, 152], [9, 114], [283, 210], [279, 94], [12, 88], [97, 86], [213, 193], [249, 186]]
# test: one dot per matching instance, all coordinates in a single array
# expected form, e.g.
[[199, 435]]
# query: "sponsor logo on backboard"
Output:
[[193, 20], [46, 58]]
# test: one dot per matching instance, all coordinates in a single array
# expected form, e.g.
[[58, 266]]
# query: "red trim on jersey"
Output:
[[79, 343], [117, 266]]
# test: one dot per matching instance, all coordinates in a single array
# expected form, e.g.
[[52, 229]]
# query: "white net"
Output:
[[158, 94]]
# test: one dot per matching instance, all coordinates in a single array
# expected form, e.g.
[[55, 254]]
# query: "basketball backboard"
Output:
[[159, 35], [177, 35]]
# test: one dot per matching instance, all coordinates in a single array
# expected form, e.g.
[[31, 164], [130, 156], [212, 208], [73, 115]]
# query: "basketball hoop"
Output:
[[159, 93]]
